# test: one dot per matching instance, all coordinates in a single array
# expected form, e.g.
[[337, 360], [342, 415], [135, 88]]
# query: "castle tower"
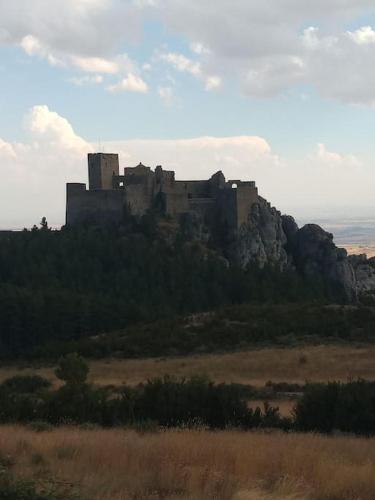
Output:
[[102, 168]]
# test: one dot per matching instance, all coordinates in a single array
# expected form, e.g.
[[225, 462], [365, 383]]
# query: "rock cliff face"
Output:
[[270, 238], [262, 239], [315, 254]]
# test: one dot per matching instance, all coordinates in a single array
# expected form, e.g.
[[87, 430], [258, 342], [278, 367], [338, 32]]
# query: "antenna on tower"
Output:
[[100, 146]]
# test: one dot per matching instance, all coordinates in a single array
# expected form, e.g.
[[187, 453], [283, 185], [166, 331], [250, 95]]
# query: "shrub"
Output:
[[38, 459], [40, 426], [336, 406], [75, 404], [72, 369], [182, 402], [25, 384], [12, 489]]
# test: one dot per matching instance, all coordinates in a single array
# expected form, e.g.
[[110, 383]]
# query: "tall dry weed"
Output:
[[198, 465]]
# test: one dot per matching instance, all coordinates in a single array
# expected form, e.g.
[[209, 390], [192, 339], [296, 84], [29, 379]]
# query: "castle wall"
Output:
[[102, 207], [164, 177], [138, 175], [226, 210], [216, 183], [139, 197], [195, 189], [175, 203], [205, 207]]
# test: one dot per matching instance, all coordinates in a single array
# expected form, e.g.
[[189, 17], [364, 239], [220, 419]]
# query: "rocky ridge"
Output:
[[269, 238]]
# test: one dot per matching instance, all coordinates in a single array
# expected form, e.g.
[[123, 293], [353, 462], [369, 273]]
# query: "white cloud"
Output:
[[340, 67], [87, 80], [242, 156], [363, 36], [84, 35], [272, 75], [6, 149], [132, 83], [87, 28], [121, 63], [55, 131], [186, 65], [313, 41], [34, 173], [34, 47], [95, 65], [166, 94], [259, 44], [335, 160], [213, 82], [199, 48], [182, 63]]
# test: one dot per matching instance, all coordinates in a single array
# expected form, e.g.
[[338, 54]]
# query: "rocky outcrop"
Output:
[[290, 227], [315, 254], [364, 272], [270, 238], [262, 239]]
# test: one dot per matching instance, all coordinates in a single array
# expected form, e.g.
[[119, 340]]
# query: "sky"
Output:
[[280, 91]]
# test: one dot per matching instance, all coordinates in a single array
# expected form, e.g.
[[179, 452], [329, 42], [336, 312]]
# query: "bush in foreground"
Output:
[[172, 402], [167, 401], [337, 407]]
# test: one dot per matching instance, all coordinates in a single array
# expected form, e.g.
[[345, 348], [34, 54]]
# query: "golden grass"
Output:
[[247, 367], [121, 464]]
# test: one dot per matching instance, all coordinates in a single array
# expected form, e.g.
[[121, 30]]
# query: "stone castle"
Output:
[[241, 225], [140, 189]]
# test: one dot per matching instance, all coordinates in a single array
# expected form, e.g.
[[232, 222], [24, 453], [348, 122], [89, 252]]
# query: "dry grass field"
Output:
[[195, 465], [369, 250], [122, 464], [311, 363]]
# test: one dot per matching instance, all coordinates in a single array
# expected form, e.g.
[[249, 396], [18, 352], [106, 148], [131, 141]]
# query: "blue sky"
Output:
[[284, 89]]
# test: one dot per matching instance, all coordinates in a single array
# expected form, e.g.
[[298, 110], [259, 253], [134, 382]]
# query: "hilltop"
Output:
[[228, 216], [117, 277]]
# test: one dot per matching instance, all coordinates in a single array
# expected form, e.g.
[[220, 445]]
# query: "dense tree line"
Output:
[[70, 284]]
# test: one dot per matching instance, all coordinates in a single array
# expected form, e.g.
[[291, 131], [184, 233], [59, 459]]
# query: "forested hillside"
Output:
[[69, 284]]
